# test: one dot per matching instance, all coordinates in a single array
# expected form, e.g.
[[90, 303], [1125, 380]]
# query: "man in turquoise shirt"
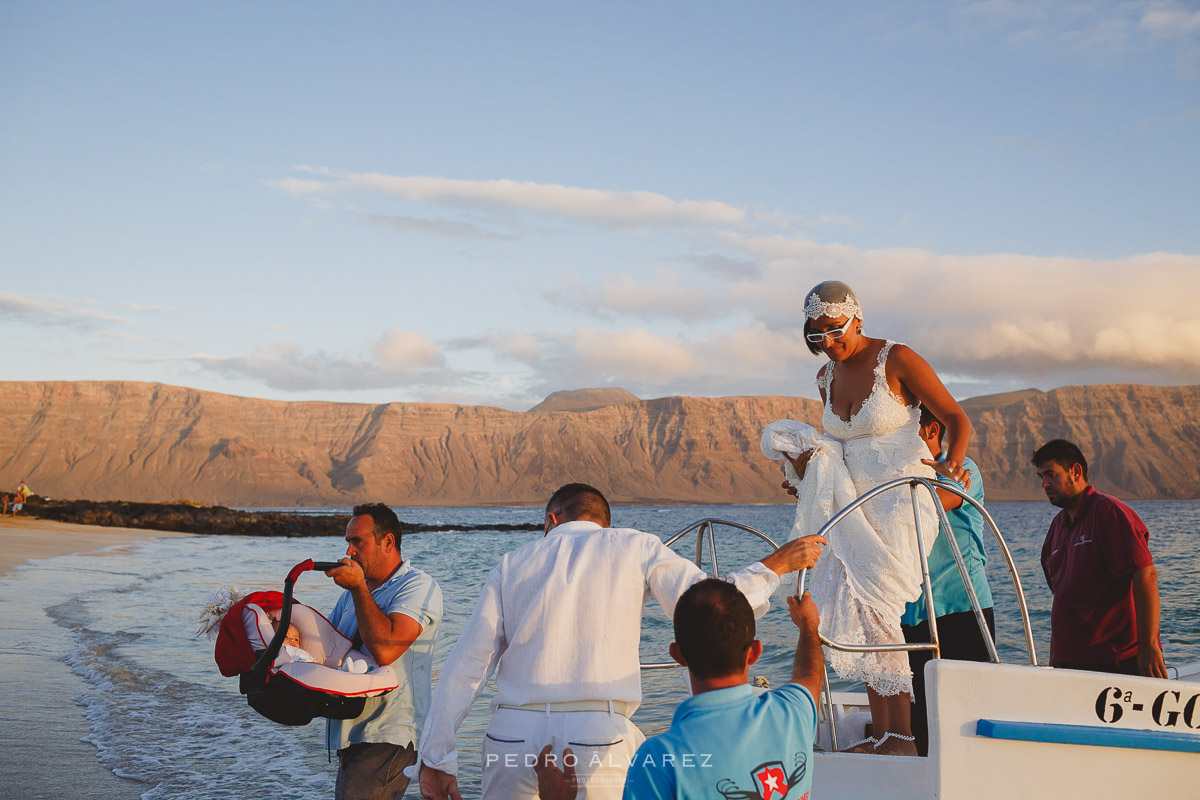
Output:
[[958, 630], [394, 608], [726, 740]]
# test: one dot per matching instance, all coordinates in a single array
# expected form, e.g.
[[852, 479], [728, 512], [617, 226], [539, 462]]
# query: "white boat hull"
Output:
[[1013, 732]]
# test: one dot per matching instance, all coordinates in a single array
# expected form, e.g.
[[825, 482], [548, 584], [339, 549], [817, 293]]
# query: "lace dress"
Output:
[[879, 443]]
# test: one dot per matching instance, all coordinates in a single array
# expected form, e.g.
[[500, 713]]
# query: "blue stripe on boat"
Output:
[[1088, 734]]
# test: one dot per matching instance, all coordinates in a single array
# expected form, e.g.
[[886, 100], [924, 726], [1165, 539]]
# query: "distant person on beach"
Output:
[[959, 636], [394, 609], [22, 494], [872, 391], [1097, 562], [559, 623]]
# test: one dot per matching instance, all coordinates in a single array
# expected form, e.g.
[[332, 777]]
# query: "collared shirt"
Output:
[[397, 716], [732, 743], [565, 612], [1089, 566], [949, 593]]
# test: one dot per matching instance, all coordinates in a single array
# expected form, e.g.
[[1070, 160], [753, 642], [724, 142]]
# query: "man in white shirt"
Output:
[[565, 612]]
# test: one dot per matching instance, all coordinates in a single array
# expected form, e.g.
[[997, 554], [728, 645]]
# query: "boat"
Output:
[[1000, 731]]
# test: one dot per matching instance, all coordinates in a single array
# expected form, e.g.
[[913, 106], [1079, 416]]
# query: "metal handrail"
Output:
[[705, 527], [930, 610], [1008, 561]]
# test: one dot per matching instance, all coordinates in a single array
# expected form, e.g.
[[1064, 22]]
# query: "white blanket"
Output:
[[875, 576]]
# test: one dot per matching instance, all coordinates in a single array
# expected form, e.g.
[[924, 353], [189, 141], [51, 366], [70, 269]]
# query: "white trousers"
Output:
[[602, 743]]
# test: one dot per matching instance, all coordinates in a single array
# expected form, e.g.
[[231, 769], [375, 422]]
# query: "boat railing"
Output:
[[704, 531]]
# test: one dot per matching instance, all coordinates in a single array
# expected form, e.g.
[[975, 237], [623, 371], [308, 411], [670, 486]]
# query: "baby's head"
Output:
[[293, 636]]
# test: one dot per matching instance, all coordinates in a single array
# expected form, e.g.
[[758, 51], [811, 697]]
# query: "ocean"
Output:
[[160, 713]]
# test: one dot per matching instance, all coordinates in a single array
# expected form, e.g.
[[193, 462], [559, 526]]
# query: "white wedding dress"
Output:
[[872, 566]]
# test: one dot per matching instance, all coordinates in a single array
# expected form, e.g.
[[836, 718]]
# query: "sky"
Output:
[[483, 203]]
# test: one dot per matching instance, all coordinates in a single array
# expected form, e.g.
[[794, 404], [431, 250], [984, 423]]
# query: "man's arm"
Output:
[[1146, 606], [668, 574], [808, 667], [760, 580], [386, 636], [796, 555], [467, 670]]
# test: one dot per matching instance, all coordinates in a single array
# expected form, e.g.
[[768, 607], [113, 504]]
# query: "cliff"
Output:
[[152, 442]]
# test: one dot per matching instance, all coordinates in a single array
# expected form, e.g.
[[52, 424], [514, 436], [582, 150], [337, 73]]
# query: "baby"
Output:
[[291, 646]]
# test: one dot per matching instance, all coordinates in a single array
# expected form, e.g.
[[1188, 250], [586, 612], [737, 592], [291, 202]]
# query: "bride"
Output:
[[872, 391]]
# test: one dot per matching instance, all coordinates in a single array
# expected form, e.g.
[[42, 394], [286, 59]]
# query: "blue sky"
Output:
[[485, 202]]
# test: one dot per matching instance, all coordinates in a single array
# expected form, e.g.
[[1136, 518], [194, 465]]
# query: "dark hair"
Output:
[[927, 417], [714, 627], [384, 518], [1065, 454], [577, 501], [813, 347]]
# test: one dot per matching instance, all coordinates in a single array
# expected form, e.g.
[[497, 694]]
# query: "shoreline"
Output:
[[29, 538], [44, 750]]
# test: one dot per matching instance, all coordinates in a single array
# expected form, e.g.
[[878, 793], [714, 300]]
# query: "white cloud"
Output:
[[1034, 320], [517, 346], [1099, 32], [399, 359], [596, 206], [401, 350], [57, 313], [670, 295], [1002, 311], [746, 360], [633, 355], [436, 227], [1171, 19]]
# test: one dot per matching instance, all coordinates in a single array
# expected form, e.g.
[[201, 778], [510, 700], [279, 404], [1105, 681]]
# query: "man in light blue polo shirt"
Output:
[[726, 740], [395, 609], [958, 630]]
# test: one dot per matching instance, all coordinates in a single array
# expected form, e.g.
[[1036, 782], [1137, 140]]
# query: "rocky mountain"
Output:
[[152, 442]]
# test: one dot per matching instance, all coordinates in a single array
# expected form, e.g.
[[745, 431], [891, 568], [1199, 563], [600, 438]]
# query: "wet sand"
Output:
[[41, 752], [25, 538]]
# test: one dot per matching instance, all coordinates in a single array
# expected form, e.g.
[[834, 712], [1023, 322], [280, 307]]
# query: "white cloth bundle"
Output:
[[875, 576], [861, 584]]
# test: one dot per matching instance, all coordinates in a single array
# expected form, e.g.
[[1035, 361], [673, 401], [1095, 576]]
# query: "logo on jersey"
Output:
[[771, 781]]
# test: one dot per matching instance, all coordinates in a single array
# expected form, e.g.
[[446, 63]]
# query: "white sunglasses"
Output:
[[835, 333]]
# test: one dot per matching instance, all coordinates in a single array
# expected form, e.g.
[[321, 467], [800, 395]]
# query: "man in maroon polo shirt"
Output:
[[1098, 565]]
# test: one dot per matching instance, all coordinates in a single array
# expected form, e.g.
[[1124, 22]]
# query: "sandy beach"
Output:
[[26, 538], [41, 752]]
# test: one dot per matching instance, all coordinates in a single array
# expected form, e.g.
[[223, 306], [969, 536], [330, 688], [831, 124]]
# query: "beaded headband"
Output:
[[816, 307]]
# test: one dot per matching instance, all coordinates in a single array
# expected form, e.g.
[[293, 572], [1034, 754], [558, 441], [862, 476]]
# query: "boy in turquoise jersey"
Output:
[[726, 740]]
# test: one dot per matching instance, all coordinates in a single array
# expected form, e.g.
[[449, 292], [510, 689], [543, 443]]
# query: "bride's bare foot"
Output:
[[896, 744]]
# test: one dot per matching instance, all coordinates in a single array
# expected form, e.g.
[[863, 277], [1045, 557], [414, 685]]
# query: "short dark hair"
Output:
[[714, 628], [1065, 454], [813, 347], [384, 518], [578, 500], [927, 417]]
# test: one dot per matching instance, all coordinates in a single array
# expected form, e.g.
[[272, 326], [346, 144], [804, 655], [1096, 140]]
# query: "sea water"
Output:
[[159, 712]]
